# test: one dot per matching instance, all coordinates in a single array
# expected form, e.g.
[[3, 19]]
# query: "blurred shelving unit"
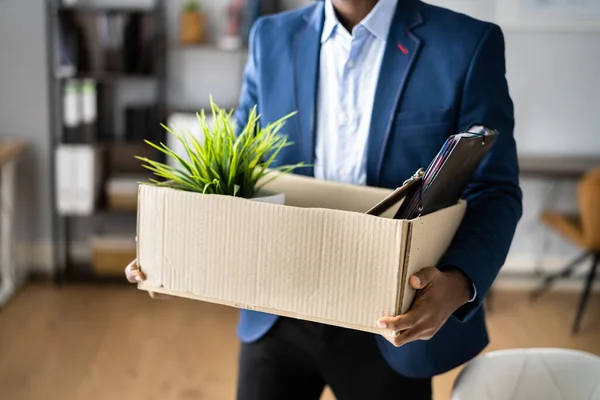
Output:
[[114, 50]]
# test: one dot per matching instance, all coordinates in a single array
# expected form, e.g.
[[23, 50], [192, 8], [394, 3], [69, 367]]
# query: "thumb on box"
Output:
[[423, 278]]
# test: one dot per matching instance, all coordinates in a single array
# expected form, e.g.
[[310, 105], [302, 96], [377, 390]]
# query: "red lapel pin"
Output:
[[402, 49]]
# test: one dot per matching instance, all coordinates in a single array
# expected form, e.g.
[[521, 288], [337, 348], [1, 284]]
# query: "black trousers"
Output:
[[296, 359]]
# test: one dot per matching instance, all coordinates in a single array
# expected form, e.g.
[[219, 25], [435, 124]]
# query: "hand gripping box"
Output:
[[319, 257]]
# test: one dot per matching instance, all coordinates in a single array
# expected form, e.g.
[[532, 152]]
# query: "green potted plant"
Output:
[[221, 162], [192, 23]]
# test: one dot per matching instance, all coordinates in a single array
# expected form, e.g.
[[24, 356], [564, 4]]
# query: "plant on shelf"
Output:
[[220, 162], [191, 6], [192, 23]]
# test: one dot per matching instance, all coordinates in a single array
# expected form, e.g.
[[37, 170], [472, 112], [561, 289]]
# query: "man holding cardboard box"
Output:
[[379, 86]]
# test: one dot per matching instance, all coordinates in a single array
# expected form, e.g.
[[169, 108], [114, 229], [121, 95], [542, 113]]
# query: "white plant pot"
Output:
[[269, 197]]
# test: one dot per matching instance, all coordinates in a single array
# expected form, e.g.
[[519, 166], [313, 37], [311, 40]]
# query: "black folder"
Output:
[[445, 179]]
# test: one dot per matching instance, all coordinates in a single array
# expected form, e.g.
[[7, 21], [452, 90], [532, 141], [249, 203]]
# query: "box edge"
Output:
[[191, 296], [406, 256]]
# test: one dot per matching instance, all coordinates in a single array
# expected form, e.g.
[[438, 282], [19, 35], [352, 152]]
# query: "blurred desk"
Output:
[[10, 152], [556, 167]]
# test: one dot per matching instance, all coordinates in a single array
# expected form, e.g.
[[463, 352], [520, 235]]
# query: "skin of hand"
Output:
[[134, 275], [440, 294]]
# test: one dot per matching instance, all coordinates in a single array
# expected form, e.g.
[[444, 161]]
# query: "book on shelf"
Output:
[[77, 179], [80, 110]]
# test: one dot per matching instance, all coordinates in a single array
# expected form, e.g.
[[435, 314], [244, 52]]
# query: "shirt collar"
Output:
[[377, 22]]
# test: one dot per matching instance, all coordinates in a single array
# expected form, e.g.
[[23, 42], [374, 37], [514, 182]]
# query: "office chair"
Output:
[[584, 231], [530, 374]]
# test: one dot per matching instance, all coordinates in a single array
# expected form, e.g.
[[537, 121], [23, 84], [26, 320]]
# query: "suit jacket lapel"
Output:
[[307, 48], [400, 53]]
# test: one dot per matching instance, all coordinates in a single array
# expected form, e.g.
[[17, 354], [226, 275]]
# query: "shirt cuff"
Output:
[[474, 294]]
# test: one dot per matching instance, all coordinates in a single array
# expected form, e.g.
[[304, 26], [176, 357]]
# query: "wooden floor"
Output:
[[113, 343]]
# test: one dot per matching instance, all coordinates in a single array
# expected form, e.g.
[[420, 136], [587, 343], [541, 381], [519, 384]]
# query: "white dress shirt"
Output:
[[348, 74]]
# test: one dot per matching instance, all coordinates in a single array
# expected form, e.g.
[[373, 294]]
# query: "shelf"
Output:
[[82, 272], [194, 110], [185, 110], [108, 77], [86, 7], [103, 212], [210, 46], [550, 27], [109, 144], [120, 143]]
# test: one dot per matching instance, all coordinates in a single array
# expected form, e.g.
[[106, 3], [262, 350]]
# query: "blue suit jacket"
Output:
[[441, 72]]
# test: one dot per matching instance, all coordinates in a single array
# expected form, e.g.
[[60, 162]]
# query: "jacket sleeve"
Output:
[[494, 198], [249, 89]]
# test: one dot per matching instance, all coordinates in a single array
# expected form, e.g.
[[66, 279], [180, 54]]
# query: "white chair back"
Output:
[[530, 374]]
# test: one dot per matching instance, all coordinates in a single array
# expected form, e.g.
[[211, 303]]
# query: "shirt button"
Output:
[[350, 64], [344, 119]]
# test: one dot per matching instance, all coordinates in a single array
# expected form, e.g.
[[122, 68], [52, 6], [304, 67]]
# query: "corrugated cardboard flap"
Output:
[[303, 191], [429, 238]]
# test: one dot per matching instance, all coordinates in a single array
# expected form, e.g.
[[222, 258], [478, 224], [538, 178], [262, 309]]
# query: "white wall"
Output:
[[552, 70], [554, 82], [24, 109]]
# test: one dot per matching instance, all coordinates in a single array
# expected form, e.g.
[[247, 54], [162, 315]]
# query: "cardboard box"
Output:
[[318, 258]]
